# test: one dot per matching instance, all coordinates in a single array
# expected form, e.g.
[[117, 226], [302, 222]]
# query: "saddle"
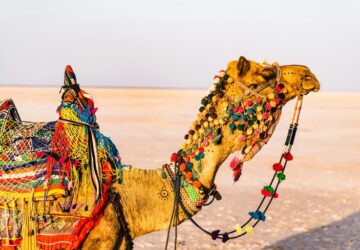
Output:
[[55, 179]]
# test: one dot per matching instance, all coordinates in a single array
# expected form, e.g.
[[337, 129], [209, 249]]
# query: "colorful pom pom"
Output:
[[288, 156], [278, 167]]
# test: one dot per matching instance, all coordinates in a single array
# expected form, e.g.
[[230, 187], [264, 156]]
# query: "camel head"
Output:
[[76, 97], [241, 111], [294, 79]]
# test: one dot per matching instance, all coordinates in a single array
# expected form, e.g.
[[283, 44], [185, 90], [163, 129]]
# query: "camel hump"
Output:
[[69, 76]]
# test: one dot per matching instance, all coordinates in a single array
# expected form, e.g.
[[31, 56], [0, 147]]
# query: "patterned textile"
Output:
[[54, 177]]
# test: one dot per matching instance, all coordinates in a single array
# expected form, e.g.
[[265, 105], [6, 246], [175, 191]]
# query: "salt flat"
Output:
[[319, 204]]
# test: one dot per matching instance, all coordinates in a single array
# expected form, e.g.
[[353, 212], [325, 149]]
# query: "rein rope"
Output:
[[269, 191]]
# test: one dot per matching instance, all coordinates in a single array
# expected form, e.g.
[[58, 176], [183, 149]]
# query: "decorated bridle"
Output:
[[176, 173]]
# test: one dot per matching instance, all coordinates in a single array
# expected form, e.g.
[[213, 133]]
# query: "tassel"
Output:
[[236, 166]]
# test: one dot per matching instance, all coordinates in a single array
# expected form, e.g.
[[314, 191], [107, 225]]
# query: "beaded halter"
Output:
[[253, 119]]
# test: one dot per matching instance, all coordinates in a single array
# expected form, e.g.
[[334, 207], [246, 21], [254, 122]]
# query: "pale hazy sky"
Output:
[[175, 43]]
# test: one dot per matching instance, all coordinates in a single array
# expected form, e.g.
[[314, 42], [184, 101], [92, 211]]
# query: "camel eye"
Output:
[[308, 78], [268, 73]]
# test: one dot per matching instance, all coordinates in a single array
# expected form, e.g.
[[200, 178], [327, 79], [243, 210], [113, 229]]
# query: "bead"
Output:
[[281, 96], [197, 126], [225, 104], [206, 143], [186, 159], [221, 73], [244, 117], [235, 117], [259, 117], [210, 136], [210, 118], [186, 137], [265, 116], [221, 121], [201, 149], [230, 112], [273, 104], [216, 122], [212, 110], [195, 136], [235, 109], [250, 122], [189, 141], [232, 126], [194, 146], [255, 126], [206, 124], [277, 89], [230, 80], [191, 132], [277, 101], [259, 108], [201, 131], [217, 80], [249, 131]]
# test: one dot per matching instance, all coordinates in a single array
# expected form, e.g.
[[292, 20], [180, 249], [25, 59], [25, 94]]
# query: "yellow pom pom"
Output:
[[249, 230], [271, 96], [238, 229], [249, 131]]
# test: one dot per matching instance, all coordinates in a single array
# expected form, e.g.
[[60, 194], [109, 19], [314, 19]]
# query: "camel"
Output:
[[147, 198], [144, 199]]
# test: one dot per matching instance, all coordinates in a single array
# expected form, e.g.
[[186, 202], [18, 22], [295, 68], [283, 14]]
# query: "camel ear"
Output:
[[243, 66], [69, 77]]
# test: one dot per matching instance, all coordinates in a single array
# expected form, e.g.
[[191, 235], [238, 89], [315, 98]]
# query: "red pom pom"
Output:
[[277, 167], [266, 193], [288, 156], [174, 157]]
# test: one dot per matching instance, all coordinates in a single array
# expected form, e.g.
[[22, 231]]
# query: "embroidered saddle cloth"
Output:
[[54, 180]]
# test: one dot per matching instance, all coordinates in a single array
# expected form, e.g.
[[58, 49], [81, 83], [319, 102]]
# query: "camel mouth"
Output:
[[310, 85]]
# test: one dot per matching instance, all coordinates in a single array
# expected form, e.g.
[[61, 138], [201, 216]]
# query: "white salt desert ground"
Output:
[[319, 203]]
